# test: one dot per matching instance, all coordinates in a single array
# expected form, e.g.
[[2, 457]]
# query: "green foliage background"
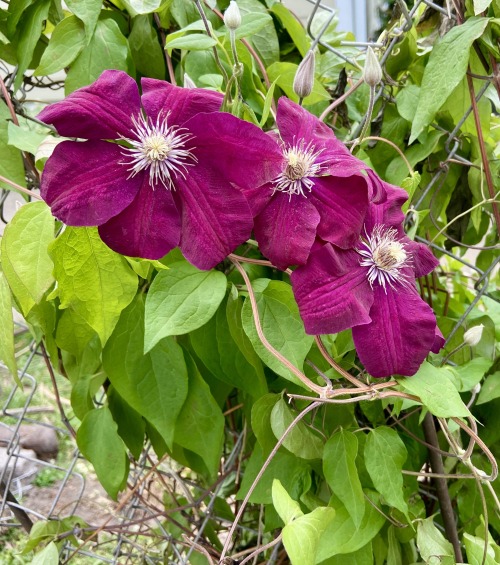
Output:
[[177, 351]]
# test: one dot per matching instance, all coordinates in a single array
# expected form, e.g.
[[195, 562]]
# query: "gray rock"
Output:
[[41, 439], [17, 463]]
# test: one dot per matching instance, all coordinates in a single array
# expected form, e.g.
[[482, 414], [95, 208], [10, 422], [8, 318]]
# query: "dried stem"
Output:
[[64, 418], [447, 513], [299, 374], [259, 476], [20, 188], [339, 100]]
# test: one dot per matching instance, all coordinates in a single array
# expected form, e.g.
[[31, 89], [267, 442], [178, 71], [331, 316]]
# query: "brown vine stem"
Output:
[[296, 420], [261, 549], [335, 365], [168, 59], [203, 16], [339, 100], [484, 155], [393, 145], [447, 513], [64, 418], [20, 188], [299, 374]]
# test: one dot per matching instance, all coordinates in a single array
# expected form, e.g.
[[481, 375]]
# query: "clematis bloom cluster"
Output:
[[167, 168], [156, 171]]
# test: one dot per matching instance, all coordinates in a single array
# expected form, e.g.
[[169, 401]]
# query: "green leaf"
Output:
[[407, 101], [490, 389], [474, 547], [261, 422], [342, 536], [339, 467], [471, 373], [481, 6], [287, 508], [156, 384], [24, 139], [266, 40], [136, 7], [385, 454], [16, 9], [83, 391], [25, 260], [281, 324], [215, 346], [92, 279], [441, 77], [436, 391], [88, 11], [48, 556], [98, 440], [301, 537], [410, 184], [145, 48], [11, 161], [108, 49], [292, 472], [233, 314], [268, 101], [293, 26], [200, 425], [193, 42], [181, 300], [7, 329], [363, 556], [81, 342], [432, 544], [252, 24], [131, 426], [29, 31], [300, 441], [66, 42]]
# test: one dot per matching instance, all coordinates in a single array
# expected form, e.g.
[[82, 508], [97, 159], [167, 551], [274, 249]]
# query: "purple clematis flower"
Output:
[[173, 175], [371, 288], [321, 190]]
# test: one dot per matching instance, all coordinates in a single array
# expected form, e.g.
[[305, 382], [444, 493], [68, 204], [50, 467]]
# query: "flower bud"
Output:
[[188, 81], [372, 73], [232, 16], [304, 77], [473, 335]]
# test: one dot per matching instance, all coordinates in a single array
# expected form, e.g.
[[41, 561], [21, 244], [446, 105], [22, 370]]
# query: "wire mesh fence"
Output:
[[137, 528]]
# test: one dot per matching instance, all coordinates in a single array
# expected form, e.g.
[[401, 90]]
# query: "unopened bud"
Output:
[[232, 16], [188, 81], [304, 77], [473, 335], [372, 73]]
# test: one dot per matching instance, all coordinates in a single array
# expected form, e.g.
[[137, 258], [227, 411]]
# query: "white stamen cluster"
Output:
[[161, 149], [299, 170], [385, 256]]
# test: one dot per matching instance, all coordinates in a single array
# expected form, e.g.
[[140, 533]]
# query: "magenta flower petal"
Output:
[[216, 217], [342, 204], [400, 335], [295, 123], [236, 149], [332, 291], [181, 104], [102, 110], [286, 230], [85, 184], [423, 261], [149, 227], [389, 211], [439, 341]]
